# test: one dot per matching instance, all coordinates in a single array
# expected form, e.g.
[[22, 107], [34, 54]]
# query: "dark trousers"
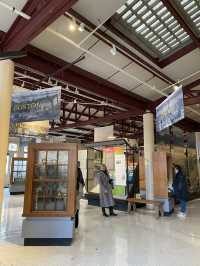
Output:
[[77, 219], [183, 205], [110, 210]]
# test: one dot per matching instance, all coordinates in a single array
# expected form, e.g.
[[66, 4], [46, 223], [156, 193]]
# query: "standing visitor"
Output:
[[79, 192], [180, 190], [105, 184], [134, 182]]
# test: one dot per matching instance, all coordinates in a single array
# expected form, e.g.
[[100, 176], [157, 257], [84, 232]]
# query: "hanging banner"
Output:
[[170, 111], [37, 105]]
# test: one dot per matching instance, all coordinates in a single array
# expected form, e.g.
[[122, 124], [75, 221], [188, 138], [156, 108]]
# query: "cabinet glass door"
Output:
[[50, 181]]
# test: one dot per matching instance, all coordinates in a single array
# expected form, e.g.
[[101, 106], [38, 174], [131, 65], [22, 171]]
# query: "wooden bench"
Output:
[[158, 205]]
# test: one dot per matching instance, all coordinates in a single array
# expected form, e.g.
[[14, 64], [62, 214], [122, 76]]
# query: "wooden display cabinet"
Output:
[[18, 170], [18, 175], [51, 180], [162, 172]]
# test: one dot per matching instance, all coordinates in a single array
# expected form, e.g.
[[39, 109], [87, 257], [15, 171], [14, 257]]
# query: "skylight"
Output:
[[191, 8], [154, 24]]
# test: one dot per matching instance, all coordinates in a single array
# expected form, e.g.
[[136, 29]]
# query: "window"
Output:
[[12, 147]]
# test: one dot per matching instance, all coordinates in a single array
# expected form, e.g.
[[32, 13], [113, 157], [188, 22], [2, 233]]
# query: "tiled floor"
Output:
[[136, 240]]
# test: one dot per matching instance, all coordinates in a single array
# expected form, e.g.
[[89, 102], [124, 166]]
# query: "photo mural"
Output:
[[183, 149]]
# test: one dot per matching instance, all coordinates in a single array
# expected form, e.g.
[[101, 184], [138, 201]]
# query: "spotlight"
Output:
[[50, 81], [81, 27], [113, 50], [72, 25]]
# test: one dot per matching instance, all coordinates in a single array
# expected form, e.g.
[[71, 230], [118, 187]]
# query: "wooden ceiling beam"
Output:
[[42, 13], [102, 120], [46, 63], [192, 100]]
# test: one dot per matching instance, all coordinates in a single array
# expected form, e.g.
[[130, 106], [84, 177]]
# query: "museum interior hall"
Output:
[[100, 132]]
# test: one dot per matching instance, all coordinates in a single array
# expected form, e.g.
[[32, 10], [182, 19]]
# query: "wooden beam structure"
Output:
[[42, 14], [101, 120], [46, 63], [192, 100]]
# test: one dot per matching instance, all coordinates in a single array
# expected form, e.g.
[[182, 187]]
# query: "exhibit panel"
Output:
[[50, 194], [162, 178]]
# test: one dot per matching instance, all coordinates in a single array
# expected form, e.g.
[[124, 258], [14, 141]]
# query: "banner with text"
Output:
[[170, 110], [37, 105]]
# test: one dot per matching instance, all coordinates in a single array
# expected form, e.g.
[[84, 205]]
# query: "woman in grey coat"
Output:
[[105, 184]]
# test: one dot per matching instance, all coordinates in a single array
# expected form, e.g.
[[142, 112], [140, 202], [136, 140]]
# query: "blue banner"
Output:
[[36, 105], [170, 111]]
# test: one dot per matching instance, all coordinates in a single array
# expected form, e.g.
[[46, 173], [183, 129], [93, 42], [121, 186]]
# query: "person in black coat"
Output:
[[180, 190], [79, 191], [134, 183]]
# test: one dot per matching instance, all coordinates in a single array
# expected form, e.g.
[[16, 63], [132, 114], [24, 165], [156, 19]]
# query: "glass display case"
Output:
[[18, 171], [51, 183], [118, 156]]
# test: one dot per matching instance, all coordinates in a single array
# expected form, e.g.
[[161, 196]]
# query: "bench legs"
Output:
[[161, 210], [157, 214], [130, 205], [158, 209]]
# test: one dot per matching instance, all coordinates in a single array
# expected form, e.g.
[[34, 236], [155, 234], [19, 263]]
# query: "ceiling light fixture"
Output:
[[81, 27], [113, 50], [72, 25]]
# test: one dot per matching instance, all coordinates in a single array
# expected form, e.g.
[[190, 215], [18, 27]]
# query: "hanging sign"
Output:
[[170, 111], [37, 105]]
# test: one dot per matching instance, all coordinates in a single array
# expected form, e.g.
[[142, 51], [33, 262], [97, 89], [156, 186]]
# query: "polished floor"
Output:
[[135, 240]]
